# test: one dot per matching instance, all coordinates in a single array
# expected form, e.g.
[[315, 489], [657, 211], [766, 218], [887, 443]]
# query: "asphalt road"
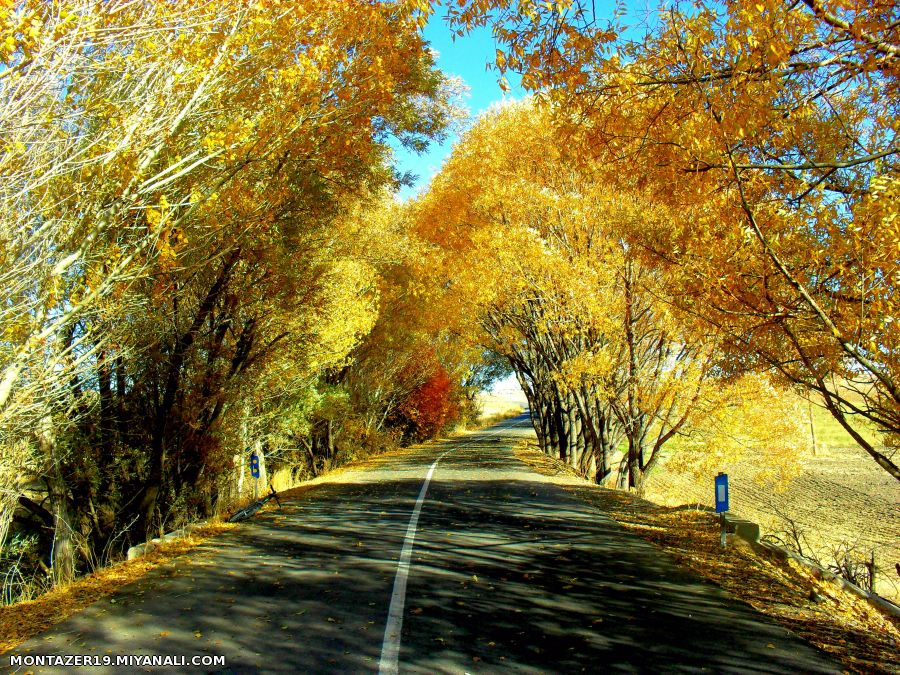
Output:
[[506, 572]]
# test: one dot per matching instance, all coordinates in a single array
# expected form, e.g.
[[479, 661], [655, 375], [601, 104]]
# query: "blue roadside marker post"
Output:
[[721, 493], [254, 471], [722, 502]]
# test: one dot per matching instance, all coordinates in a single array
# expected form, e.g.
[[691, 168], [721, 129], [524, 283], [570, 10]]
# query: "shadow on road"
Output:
[[508, 572]]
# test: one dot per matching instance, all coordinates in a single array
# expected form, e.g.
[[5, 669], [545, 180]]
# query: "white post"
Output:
[[239, 470], [263, 474]]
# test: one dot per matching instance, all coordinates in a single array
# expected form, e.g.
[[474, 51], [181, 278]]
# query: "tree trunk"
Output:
[[62, 556], [637, 481], [121, 420], [172, 392], [606, 447], [576, 434], [635, 424], [565, 436], [534, 408], [329, 439], [553, 428], [107, 414], [637, 441], [238, 476]]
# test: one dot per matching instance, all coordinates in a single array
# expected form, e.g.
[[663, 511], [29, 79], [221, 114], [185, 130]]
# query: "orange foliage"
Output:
[[769, 131]]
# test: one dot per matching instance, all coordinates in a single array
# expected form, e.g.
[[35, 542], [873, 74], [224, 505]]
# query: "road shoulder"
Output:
[[838, 623], [23, 621]]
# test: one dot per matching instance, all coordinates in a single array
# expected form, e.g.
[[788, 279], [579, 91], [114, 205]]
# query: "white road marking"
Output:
[[390, 648]]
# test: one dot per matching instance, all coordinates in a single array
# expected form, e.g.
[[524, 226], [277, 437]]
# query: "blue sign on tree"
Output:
[[254, 465], [721, 493]]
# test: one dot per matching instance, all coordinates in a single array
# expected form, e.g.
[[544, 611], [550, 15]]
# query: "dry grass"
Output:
[[485, 420], [841, 497], [494, 403], [24, 620], [847, 627]]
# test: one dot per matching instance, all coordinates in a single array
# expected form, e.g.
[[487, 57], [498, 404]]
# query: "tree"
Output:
[[180, 184], [770, 128], [430, 407], [540, 248]]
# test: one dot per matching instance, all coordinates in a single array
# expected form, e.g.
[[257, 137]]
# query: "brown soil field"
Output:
[[840, 499]]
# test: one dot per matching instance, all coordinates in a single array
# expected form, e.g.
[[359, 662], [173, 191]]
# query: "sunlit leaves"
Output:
[[192, 198], [768, 127]]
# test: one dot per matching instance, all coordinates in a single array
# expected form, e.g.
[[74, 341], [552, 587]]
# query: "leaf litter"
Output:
[[847, 627]]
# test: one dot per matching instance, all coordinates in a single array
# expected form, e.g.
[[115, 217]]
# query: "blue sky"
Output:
[[465, 57]]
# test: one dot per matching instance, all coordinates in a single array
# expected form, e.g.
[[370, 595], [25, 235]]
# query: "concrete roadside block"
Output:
[[174, 534], [749, 531], [829, 576], [145, 548], [141, 550], [740, 527]]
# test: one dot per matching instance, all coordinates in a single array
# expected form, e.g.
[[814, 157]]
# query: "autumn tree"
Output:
[[540, 247], [179, 242], [416, 362], [771, 129]]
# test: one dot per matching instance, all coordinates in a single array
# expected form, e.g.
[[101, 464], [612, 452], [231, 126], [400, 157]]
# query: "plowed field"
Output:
[[842, 498]]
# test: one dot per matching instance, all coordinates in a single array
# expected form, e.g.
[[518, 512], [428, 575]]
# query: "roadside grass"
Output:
[[841, 624], [495, 408], [486, 419], [24, 620]]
